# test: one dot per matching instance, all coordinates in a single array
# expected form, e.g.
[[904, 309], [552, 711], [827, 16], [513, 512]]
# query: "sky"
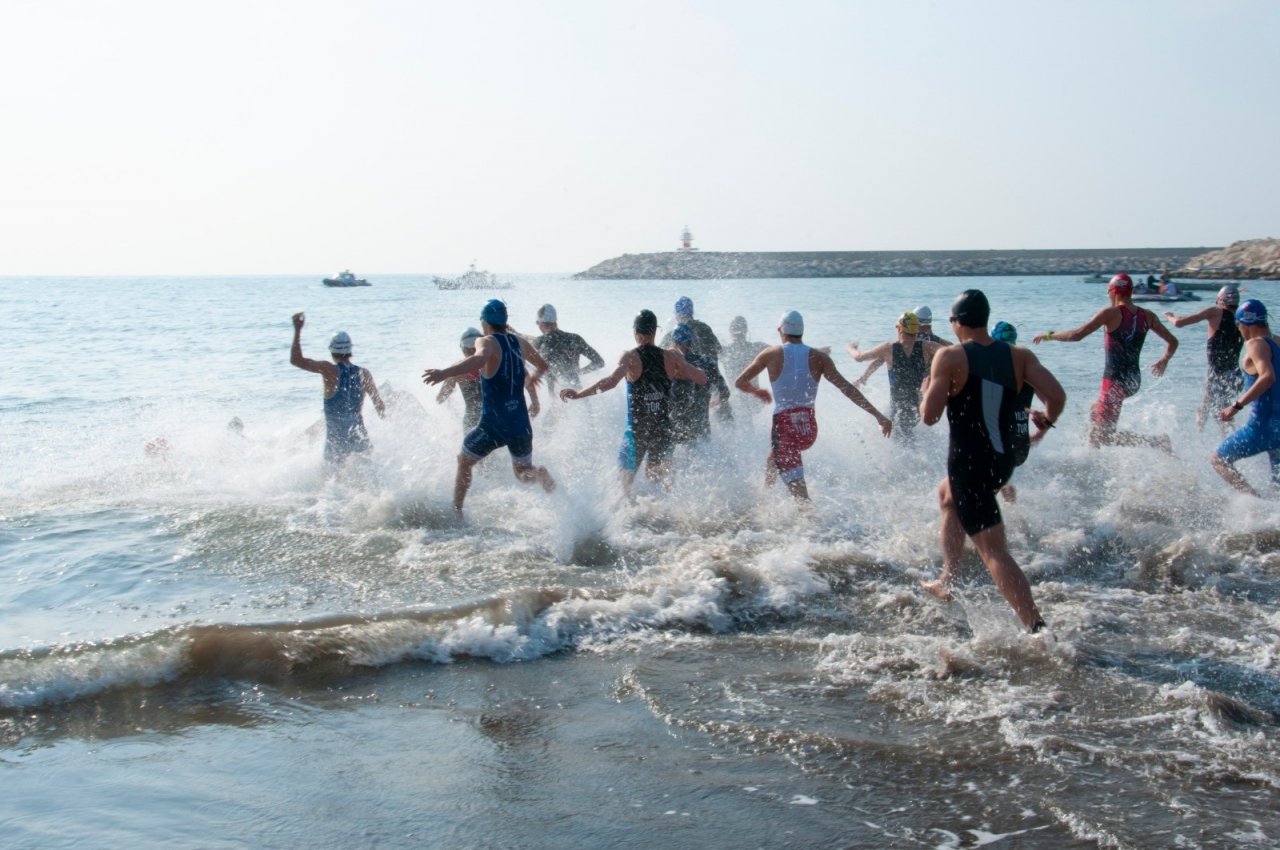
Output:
[[265, 137]]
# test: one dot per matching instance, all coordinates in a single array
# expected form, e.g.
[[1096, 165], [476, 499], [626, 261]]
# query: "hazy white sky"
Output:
[[387, 136]]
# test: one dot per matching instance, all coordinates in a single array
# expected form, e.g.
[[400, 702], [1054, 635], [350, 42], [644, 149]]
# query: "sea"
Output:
[[207, 641]]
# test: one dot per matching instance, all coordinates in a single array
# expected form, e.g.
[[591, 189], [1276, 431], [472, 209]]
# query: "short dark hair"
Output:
[[971, 309]]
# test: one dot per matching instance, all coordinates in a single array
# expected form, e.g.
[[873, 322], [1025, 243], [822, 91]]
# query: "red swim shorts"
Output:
[[794, 431], [1110, 399]]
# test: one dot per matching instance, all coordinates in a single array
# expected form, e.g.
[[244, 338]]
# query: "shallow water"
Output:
[[218, 646]]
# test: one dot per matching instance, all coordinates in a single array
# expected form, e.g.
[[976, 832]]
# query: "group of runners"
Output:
[[984, 382]]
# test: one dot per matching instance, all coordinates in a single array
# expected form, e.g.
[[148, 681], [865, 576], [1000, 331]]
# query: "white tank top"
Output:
[[795, 387]]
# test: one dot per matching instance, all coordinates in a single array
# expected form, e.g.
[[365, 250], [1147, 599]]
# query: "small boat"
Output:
[[1160, 296], [471, 279], [346, 278]]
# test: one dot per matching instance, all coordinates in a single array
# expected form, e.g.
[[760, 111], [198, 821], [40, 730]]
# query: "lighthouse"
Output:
[[686, 240]]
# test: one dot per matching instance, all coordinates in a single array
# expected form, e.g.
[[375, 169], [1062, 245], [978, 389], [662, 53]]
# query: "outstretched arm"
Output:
[[1182, 321], [1076, 334], [1170, 342], [463, 366], [832, 374], [295, 352], [605, 384]]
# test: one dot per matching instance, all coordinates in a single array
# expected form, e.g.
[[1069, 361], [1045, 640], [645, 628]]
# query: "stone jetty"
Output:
[[1248, 259], [713, 265]]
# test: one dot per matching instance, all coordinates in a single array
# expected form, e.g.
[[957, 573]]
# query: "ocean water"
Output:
[[212, 644]]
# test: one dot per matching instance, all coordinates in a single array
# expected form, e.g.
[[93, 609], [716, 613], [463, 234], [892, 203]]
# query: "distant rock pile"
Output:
[[1248, 259], [714, 265]]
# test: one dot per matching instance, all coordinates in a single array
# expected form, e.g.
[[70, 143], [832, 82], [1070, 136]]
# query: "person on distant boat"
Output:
[[1262, 432], [504, 417], [908, 358], [691, 401], [649, 371], [1224, 379], [795, 370], [925, 315], [563, 351], [1126, 327], [468, 384], [977, 384], [345, 386]]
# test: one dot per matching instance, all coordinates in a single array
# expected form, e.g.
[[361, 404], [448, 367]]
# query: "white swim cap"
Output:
[[547, 314], [469, 337], [340, 343], [924, 314], [792, 324]]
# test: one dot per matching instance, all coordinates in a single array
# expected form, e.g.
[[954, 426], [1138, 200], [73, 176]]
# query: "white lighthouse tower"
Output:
[[686, 240]]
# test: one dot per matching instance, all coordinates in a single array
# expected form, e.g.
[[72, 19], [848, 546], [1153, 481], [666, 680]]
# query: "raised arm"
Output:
[[603, 385], [295, 352], [1170, 342], [1076, 334], [832, 374]]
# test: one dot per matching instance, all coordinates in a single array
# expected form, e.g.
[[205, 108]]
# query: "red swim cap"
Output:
[[1121, 283]]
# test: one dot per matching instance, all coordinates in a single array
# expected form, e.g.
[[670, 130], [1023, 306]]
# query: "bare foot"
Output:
[[1010, 493], [544, 478], [938, 588]]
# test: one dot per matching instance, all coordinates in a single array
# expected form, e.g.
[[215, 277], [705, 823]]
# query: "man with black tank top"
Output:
[[1224, 380], [649, 371], [1126, 327], [977, 384], [908, 359]]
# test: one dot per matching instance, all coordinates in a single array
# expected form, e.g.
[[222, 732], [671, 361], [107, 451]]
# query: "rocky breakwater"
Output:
[[713, 265], [1248, 259]]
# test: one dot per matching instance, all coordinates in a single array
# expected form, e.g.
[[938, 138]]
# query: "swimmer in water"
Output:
[[908, 359], [977, 384], [1262, 432], [345, 386], [504, 417], [1126, 327], [649, 371], [1223, 382], [795, 370]]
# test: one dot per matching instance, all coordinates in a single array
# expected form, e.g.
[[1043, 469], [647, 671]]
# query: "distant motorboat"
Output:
[[471, 279], [346, 278], [1163, 296], [1153, 283]]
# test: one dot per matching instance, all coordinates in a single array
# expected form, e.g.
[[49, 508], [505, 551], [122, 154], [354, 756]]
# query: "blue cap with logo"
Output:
[[682, 335], [684, 307], [1251, 312], [1005, 332]]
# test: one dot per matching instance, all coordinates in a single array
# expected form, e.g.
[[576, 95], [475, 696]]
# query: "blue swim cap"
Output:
[[682, 335], [1251, 312], [1005, 332], [684, 306], [494, 312]]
